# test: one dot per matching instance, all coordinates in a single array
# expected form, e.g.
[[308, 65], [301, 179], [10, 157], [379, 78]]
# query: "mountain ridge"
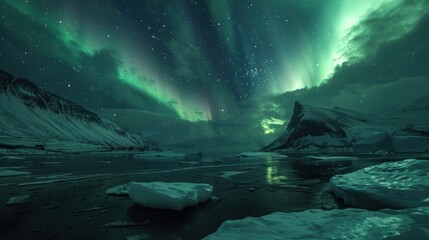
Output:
[[34, 118], [338, 129]]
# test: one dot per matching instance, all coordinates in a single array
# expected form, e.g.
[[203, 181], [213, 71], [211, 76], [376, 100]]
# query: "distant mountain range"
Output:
[[33, 119], [338, 129]]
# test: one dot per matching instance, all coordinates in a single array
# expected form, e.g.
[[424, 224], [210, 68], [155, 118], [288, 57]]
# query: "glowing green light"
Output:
[[267, 123]]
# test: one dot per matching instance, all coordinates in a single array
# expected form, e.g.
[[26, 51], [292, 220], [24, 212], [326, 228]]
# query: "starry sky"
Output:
[[220, 68]]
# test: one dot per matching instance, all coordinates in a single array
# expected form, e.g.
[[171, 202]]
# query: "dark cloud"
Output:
[[393, 73], [90, 79]]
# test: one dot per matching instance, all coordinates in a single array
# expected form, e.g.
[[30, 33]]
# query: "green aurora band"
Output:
[[275, 54]]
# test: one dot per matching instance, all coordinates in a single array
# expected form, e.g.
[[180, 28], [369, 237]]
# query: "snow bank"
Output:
[[388, 185], [319, 224], [169, 195]]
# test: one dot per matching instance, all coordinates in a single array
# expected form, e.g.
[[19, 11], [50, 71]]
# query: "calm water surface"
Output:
[[69, 200]]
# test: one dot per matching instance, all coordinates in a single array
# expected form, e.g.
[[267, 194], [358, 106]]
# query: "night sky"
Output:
[[219, 68]]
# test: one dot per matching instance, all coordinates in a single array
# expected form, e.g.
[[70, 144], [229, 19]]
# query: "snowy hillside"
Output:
[[35, 119], [337, 129]]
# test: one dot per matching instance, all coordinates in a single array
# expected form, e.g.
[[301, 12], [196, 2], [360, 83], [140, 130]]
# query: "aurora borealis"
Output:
[[218, 61]]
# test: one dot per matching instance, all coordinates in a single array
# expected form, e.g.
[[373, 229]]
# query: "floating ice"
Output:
[[120, 190], [320, 224], [169, 195], [229, 174], [211, 160], [124, 223], [23, 199], [388, 185]]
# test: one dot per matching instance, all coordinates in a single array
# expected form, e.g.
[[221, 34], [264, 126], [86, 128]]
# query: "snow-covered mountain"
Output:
[[31, 118], [338, 129]]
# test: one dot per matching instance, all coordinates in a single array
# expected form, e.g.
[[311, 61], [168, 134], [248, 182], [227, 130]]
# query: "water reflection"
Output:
[[273, 176]]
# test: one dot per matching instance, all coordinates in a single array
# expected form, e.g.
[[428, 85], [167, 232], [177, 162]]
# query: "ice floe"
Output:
[[120, 190], [23, 199], [388, 185], [211, 160], [229, 174], [169, 195], [320, 224], [124, 223]]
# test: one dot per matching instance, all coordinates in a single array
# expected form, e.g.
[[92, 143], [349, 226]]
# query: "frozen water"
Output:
[[120, 190], [19, 200], [123, 223], [169, 195], [229, 174], [320, 224], [388, 185], [211, 160]]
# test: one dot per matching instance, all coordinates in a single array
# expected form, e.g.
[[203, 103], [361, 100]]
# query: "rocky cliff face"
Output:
[[312, 127], [30, 117], [338, 129]]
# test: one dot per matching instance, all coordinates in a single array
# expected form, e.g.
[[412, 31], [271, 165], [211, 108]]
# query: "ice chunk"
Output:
[[19, 200], [123, 224], [229, 174], [262, 154], [211, 160], [11, 173], [169, 195], [388, 185], [320, 224], [120, 190]]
